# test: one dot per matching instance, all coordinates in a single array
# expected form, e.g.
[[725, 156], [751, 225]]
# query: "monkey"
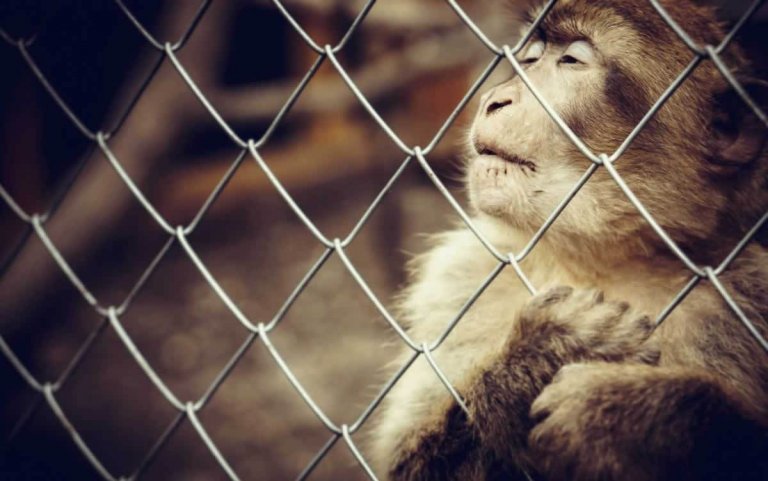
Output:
[[579, 382]]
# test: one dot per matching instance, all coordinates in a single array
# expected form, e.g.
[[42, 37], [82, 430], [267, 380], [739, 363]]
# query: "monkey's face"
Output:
[[601, 65], [521, 167]]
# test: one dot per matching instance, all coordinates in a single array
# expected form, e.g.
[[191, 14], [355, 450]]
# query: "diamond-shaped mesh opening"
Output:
[[282, 342]]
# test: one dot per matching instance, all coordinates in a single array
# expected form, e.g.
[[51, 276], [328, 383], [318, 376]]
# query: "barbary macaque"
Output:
[[578, 383]]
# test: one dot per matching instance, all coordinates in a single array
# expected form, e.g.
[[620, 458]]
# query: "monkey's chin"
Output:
[[500, 188]]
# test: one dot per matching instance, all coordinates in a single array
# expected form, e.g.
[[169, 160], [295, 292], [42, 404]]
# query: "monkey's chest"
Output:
[[469, 341]]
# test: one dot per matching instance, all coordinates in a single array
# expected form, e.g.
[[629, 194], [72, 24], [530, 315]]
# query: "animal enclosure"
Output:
[[354, 147]]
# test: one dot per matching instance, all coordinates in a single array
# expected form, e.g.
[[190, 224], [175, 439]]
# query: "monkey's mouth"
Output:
[[483, 149]]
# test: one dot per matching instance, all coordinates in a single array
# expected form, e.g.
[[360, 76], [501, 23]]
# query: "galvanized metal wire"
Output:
[[249, 150]]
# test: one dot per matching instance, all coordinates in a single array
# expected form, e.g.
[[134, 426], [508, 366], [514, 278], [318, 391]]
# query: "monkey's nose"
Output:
[[497, 105]]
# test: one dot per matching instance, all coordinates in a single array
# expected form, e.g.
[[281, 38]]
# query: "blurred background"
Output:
[[413, 59]]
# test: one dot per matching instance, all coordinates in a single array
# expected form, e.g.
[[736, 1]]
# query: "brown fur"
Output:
[[576, 384]]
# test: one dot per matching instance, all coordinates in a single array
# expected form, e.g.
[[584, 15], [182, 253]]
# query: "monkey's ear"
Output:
[[739, 136]]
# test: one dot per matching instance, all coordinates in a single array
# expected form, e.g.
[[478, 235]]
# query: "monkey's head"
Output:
[[699, 166]]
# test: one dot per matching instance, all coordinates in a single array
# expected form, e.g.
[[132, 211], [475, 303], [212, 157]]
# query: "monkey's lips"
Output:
[[483, 149]]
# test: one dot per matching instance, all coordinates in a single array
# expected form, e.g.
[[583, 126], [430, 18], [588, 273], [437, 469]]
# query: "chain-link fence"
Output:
[[250, 150]]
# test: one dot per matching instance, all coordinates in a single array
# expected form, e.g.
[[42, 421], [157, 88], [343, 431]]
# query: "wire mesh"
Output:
[[249, 149]]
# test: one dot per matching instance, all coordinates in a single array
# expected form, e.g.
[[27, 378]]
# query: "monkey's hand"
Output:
[[635, 422], [556, 328], [575, 415], [582, 326]]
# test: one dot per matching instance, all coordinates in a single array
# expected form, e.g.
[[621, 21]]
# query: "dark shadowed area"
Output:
[[414, 60]]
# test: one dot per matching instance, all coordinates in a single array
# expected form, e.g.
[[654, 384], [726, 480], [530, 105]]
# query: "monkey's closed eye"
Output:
[[579, 52], [534, 52], [569, 59]]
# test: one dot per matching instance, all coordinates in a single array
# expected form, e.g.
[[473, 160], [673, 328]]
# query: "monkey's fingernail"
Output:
[[599, 297], [556, 294], [623, 306], [539, 415], [645, 323]]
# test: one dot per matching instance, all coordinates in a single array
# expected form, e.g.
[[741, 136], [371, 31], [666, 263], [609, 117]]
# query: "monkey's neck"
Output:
[[588, 262]]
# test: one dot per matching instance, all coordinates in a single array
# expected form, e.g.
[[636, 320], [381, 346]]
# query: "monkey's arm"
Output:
[[446, 451], [500, 398], [499, 401], [615, 422]]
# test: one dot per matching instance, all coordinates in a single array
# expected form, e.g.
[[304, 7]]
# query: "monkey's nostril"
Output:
[[494, 106]]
